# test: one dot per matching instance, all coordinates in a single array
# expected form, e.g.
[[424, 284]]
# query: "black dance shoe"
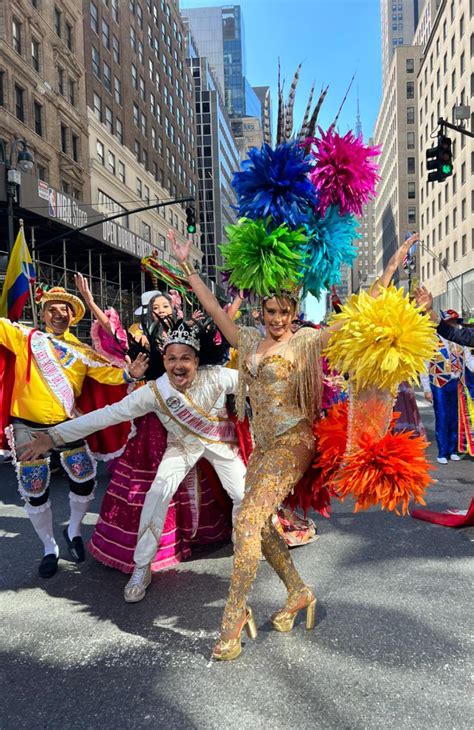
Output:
[[75, 547], [48, 566]]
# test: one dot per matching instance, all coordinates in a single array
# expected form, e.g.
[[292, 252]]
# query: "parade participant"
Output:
[[50, 369], [282, 372], [440, 385], [196, 513], [190, 403]]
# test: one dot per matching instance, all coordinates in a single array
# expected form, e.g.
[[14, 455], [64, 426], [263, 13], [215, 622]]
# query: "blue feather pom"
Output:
[[275, 182], [330, 244]]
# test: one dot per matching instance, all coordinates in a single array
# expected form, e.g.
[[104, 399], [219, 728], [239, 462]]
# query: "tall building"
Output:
[[42, 85], [398, 21], [141, 114], [263, 92], [397, 201], [445, 82], [217, 158], [364, 269], [219, 35]]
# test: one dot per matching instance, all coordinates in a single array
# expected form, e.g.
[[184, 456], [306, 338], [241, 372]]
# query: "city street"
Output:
[[390, 648]]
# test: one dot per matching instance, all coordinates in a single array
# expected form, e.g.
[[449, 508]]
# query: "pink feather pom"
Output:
[[344, 173]]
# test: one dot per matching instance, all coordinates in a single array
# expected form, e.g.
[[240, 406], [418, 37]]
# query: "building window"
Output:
[[464, 245], [121, 171], [109, 120], [411, 165], [94, 13], [65, 187], [95, 62], [134, 76], [411, 218], [146, 232], [410, 140], [100, 153], [119, 130], [410, 114], [115, 10], [118, 90], [463, 209], [75, 147], [16, 35], [97, 107], [107, 77], [61, 81], [42, 173], [70, 36], [133, 39], [57, 21], [142, 88], [19, 103], [410, 89], [109, 206], [136, 115], [38, 118], [111, 162], [35, 54], [116, 49], [72, 92], [105, 35], [139, 188], [411, 191], [63, 139]]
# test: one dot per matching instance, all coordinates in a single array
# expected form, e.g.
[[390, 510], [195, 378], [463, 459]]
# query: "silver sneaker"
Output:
[[136, 587]]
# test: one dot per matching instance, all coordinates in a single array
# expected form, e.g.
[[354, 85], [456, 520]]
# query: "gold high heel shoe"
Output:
[[231, 648], [284, 619]]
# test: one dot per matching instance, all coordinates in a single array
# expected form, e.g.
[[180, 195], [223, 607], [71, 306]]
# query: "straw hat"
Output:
[[59, 294]]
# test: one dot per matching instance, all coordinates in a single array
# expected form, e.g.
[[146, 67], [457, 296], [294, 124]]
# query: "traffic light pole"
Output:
[[113, 217], [443, 123]]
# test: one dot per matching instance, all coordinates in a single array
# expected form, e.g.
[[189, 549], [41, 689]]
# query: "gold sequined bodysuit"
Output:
[[284, 391]]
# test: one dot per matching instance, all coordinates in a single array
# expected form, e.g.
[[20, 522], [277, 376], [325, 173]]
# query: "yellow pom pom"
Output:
[[382, 341]]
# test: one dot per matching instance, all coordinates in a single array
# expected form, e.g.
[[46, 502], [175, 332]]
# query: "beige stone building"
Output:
[[446, 81], [42, 89], [396, 205]]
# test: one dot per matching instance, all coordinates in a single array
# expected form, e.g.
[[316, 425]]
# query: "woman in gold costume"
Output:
[[281, 373]]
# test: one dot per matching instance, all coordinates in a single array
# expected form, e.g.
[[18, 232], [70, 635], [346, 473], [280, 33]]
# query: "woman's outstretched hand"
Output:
[[180, 250], [405, 248]]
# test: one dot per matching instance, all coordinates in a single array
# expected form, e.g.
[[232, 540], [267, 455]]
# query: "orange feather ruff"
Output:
[[389, 472]]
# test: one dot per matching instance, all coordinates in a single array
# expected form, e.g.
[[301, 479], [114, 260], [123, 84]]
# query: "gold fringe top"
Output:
[[283, 388]]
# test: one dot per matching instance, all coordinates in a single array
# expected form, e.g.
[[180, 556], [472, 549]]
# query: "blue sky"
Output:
[[333, 39]]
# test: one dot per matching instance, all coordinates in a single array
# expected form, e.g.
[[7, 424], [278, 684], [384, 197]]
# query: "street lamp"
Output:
[[24, 161]]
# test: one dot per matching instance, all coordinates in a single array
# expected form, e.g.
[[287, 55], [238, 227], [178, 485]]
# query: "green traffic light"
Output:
[[191, 229], [447, 169]]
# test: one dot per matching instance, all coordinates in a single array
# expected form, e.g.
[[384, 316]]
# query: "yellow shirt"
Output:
[[35, 401]]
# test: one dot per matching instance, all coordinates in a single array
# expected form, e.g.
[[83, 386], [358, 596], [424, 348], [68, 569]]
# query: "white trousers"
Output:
[[171, 472]]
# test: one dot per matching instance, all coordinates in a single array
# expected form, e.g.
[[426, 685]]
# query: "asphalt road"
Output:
[[390, 648]]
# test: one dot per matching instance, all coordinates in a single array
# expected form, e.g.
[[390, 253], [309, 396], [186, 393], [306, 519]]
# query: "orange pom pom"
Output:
[[389, 472]]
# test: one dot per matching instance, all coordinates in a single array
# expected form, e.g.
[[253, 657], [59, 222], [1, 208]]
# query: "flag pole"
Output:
[[30, 287]]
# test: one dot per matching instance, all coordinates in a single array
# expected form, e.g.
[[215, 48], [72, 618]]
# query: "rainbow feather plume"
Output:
[[263, 258], [329, 245], [344, 174], [275, 182]]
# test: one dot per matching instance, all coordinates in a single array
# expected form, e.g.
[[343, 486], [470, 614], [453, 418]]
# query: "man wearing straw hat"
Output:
[[50, 368]]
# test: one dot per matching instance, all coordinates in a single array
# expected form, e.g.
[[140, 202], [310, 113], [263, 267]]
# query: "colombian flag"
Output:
[[20, 272]]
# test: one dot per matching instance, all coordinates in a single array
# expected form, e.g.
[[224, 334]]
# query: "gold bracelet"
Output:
[[187, 268]]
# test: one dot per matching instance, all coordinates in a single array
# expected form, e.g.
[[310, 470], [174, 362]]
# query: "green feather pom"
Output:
[[263, 259]]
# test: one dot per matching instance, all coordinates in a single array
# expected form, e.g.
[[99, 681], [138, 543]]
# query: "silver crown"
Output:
[[184, 336]]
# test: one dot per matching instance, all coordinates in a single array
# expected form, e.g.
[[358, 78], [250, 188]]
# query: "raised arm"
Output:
[[393, 264], [207, 299], [383, 281], [83, 286]]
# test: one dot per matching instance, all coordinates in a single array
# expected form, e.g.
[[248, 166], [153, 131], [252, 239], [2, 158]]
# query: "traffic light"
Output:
[[439, 159], [190, 220]]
